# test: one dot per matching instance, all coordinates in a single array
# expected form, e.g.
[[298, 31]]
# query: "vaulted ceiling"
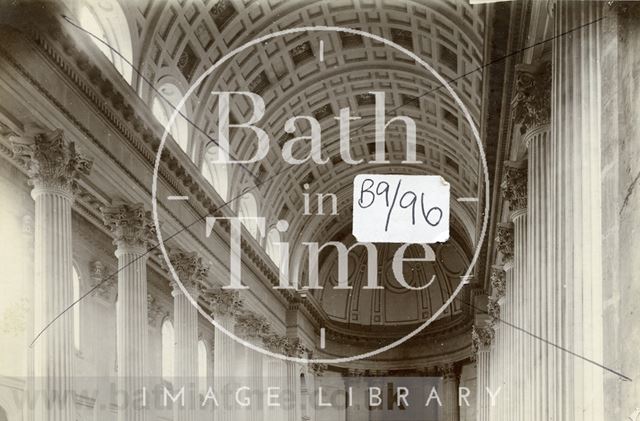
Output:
[[175, 42]]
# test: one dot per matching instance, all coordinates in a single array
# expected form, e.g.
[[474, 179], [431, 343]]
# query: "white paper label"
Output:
[[400, 208]]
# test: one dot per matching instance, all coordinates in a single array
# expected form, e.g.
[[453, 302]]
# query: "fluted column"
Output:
[[226, 306], [294, 349], [577, 208], [514, 189], [253, 328], [540, 309], [276, 377], [482, 337], [499, 351], [191, 271], [132, 227], [54, 167], [450, 384]]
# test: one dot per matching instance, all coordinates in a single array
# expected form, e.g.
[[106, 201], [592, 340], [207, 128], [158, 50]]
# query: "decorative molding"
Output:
[[504, 240], [532, 102], [51, 161], [131, 226], [514, 184]]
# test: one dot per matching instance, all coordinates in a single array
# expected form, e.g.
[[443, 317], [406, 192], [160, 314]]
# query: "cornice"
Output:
[[130, 125]]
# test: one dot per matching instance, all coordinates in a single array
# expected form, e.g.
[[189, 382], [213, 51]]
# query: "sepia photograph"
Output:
[[319, 210]]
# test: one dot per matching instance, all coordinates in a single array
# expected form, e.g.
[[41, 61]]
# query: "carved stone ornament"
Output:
[[224, 302], [251, 326], [130, 224], [498, 282], [276, 343], [481, 338], [52, 161], [493, 308], [294, 348], [357, 372], [318, 369], [514, 184], [448, 370], [105, 286], [504, 240], [532, 102], [190, 269]]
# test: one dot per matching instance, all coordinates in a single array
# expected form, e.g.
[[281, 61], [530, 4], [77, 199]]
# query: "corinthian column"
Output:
[[225, 306], [132, 228], [541, 299], [577, 207], [253, 328], [514, 189], [54, 167], [191, 272], [450, 384], [481, 337]]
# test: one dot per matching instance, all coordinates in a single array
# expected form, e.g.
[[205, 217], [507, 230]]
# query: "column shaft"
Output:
[[186, 354], [54, 354], [131, 327], [223, 371], [450, 410], [483, 364], [577, 207]]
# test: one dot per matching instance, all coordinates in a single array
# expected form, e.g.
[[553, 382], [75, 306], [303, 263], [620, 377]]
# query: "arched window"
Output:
[[164, 106], [168, 343], [215, 174], [76, 310], [106, 20], [272, 247], [248, 208], [202, 367]]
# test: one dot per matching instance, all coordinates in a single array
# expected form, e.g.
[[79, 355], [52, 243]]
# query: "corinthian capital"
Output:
[[514, 184], [504, 240], [318, 369], [190, 269], [532, 103], [481, 338], [224, 302], [294, 348], [53, 162], [448, 370], [498, 282], [276, 343], [493, 308], [131, 226], [251, 326]]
